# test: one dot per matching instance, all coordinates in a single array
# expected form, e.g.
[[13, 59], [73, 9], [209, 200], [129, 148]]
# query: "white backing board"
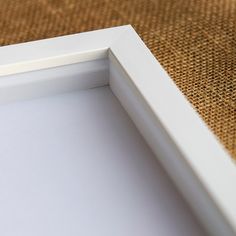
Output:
[[74, 164]]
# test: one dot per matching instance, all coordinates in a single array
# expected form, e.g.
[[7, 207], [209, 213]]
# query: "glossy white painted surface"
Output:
[[195, 160], [74, 164]]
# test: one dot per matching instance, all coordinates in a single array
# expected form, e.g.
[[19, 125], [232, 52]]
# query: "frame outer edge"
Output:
[[57, 51], [206, 158]]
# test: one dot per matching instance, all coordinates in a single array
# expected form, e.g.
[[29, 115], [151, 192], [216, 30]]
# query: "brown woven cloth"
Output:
[[195, 41]]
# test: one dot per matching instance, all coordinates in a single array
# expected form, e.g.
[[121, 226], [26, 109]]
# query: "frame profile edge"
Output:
[[212, 186]]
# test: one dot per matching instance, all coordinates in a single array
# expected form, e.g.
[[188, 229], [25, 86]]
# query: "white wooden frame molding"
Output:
[[191, 154]]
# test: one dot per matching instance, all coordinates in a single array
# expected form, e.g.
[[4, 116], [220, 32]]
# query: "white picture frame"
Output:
[[193, 157]]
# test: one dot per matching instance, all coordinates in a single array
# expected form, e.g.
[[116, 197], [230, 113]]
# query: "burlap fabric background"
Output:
[[195, 41]]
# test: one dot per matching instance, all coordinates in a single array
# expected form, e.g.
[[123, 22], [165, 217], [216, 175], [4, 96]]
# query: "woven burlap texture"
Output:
[[194, 40]]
